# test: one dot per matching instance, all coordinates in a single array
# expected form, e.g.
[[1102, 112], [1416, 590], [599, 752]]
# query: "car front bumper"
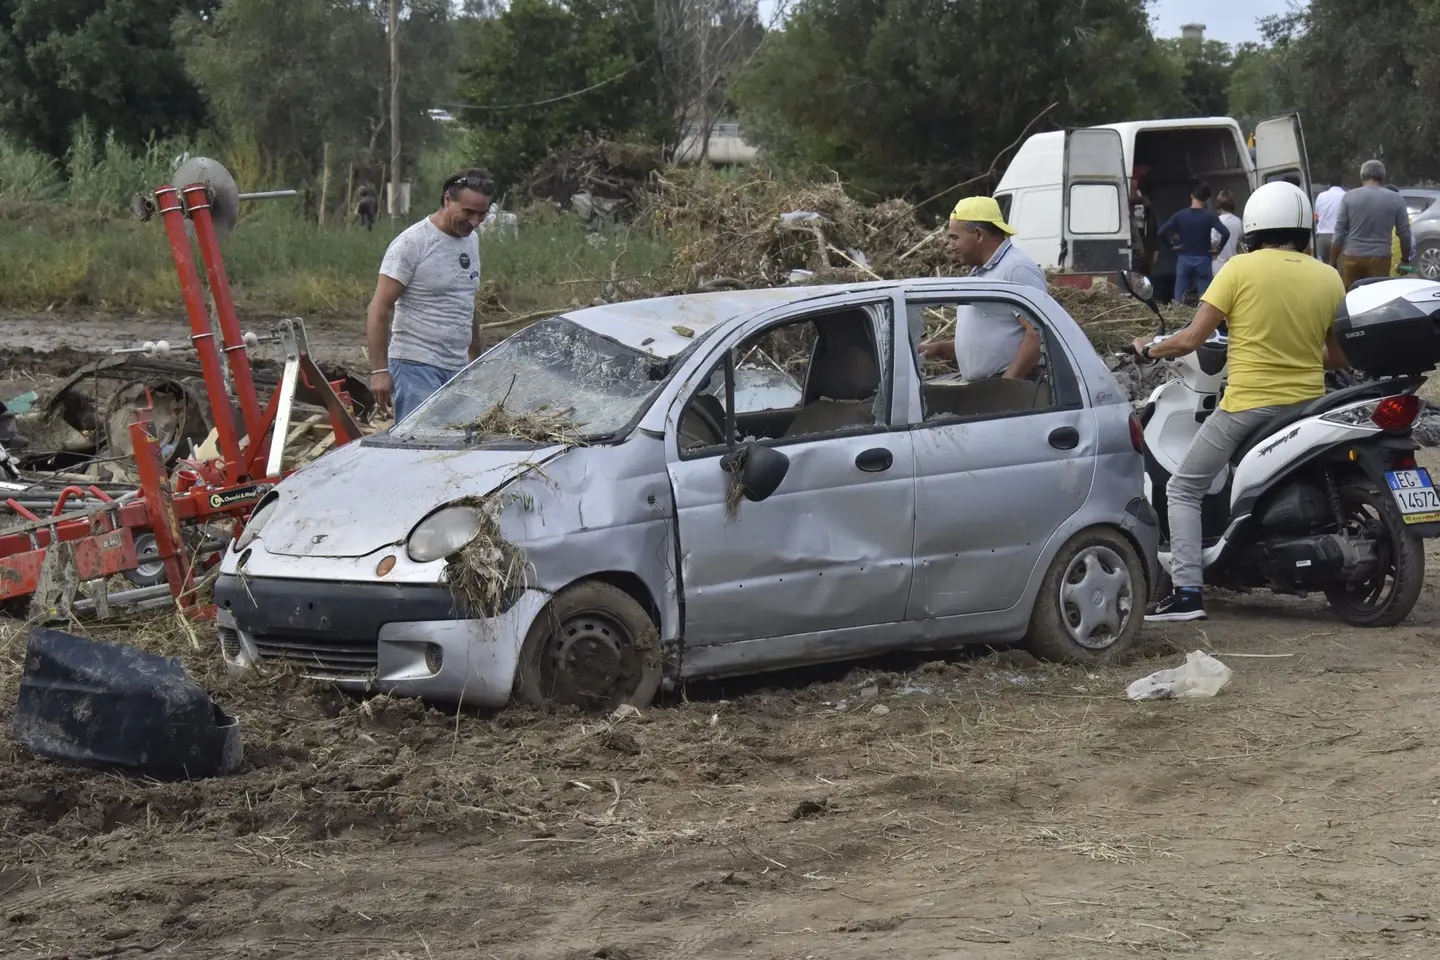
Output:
[[401, 639]]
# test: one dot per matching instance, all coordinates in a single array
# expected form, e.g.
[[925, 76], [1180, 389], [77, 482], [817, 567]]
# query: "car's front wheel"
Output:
[[594, 647], [1092, 601]]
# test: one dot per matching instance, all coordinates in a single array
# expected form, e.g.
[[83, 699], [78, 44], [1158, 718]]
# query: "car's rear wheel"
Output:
[[1427, 260], [594, 647], [1092, 601]]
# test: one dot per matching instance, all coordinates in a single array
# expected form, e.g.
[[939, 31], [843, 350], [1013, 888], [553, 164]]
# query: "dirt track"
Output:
[[987, 808]]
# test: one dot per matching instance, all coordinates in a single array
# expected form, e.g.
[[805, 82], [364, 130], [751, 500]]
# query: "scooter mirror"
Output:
[[1137, 285]]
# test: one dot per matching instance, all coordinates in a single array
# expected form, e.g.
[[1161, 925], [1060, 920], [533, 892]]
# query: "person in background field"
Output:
[[990, 340], [367, 208], [1190, 230], [1367, 216], [1327, 212], [1279, 306], [1225, 203], [429, 277]]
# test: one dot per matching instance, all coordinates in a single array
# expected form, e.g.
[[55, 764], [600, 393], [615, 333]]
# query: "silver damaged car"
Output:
[[628, 496]]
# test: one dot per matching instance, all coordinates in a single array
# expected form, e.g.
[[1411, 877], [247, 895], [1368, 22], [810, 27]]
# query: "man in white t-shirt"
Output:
[[1327, 214], [429, 277], [1225, 207]]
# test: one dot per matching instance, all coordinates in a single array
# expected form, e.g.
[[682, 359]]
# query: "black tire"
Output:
[[1057, 621], [1427, 260], [613, 654], [1390, 596]]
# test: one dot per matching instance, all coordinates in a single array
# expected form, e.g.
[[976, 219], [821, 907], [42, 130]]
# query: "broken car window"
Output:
[[1000, 329], [552, 381]]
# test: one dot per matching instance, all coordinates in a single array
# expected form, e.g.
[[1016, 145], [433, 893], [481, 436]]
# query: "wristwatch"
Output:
[[1145, 352]]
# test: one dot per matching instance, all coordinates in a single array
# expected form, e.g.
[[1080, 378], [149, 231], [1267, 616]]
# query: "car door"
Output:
[[1095, 208], [1280, 151], [995, 479], [830, 550]]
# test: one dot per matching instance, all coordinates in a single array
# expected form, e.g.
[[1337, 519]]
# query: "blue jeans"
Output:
[[1192, 268], [414, 382]]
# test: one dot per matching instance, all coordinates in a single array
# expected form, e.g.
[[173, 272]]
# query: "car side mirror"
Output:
[[757, 468]]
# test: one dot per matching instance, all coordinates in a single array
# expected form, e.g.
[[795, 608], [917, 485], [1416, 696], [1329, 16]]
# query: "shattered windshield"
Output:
[[552, 382]]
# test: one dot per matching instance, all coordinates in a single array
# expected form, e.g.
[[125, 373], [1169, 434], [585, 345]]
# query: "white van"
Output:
[[1067, 192]]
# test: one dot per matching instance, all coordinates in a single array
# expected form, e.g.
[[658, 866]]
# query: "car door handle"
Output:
[[875, 460], [1064, 438]]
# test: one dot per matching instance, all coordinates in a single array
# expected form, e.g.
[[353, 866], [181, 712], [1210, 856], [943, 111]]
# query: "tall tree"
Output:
[[297, 75], [914, 96], [111, 60], [1361, 75], [545, 73]]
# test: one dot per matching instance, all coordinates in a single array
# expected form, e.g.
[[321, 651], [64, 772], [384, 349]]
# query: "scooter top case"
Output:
[[1390, 327]]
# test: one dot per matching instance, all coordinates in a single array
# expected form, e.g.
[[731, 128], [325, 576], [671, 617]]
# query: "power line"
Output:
[[564, 96]]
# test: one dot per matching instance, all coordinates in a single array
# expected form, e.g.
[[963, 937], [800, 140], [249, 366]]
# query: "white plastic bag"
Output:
[[1201, 676]]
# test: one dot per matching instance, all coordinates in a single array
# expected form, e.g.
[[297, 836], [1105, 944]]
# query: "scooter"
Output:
[[1325, 496]]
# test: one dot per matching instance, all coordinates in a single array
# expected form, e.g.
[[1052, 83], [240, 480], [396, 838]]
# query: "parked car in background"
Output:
[[1424, 205], [599, 505]]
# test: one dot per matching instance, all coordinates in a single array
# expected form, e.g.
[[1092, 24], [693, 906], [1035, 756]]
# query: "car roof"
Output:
[[666, 326]]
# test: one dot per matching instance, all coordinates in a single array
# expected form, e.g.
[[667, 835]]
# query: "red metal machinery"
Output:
[[97, 543]]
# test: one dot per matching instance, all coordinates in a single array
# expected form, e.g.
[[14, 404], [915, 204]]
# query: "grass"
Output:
[[280, 264]]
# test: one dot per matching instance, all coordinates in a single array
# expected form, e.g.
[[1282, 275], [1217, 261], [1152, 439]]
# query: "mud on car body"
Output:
[[635, 494]]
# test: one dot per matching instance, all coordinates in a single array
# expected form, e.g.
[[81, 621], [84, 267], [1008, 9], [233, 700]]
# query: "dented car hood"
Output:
[[359, 498]]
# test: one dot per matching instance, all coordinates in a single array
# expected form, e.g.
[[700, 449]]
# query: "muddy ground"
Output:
[[983, 806]]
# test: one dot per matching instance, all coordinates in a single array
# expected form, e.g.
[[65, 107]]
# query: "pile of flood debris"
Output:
[[78, 431]]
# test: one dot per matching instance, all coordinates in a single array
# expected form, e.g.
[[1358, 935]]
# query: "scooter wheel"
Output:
[[1391, 594]]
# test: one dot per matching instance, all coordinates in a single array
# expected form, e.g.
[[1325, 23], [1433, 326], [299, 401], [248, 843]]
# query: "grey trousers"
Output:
[[1219, 437]]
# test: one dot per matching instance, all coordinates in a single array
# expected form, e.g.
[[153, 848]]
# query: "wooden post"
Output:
[[394, 108], [350, 194], [324, 182]]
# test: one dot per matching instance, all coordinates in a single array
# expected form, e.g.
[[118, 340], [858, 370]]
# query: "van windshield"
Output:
[[553, 382]]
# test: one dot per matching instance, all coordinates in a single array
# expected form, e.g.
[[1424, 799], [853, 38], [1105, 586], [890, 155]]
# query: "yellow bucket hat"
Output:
[[981, 210]]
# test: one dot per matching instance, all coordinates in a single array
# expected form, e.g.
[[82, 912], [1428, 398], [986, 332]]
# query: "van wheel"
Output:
[[594, 647], [1092, 601]]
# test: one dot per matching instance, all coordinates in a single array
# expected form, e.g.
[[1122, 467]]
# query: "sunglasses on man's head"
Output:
[[483, 184]]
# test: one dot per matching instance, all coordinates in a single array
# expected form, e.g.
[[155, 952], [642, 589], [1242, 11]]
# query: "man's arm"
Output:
[[1166, 228], [1402, 229], [1334, 353], [377, 335], [1219, 227], [475, 339], [1207, 320], [1028, 356]]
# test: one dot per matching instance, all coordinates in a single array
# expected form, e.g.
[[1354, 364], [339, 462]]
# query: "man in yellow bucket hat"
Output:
[[991, 340]]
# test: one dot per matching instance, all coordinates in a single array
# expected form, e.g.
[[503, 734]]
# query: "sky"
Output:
[[1231, 21]]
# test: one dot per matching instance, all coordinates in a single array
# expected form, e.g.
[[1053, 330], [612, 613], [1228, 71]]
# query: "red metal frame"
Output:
[[103, 540]]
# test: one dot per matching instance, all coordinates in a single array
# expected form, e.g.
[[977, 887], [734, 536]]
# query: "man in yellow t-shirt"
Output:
[[1279, 306]]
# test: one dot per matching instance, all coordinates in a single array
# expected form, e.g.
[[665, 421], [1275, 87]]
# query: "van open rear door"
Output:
[[1280, 151], [1095, 207]]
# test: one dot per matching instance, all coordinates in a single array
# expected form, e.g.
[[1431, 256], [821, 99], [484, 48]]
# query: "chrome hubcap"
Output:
[[1429, 266], [1096, 597]]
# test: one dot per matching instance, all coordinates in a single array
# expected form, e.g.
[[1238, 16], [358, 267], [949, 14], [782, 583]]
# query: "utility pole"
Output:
[[395, 179]]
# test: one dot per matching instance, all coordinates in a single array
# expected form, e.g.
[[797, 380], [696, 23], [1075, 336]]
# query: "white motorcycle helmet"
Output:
[[1277, 205]]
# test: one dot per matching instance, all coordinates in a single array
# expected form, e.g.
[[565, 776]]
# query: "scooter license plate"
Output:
[[1415, 495]]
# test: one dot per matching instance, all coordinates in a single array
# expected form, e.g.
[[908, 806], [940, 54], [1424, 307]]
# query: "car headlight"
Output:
[[445, 532], [255, 524]]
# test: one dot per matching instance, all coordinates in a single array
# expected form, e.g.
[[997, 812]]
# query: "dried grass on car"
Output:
[[489, 569]]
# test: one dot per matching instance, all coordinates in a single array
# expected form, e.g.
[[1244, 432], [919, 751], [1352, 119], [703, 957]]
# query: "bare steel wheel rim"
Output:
[[1429, 266], [1096, 597], [590, 660]]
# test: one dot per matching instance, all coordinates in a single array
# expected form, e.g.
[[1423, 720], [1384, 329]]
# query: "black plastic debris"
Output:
[[114, 707]]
